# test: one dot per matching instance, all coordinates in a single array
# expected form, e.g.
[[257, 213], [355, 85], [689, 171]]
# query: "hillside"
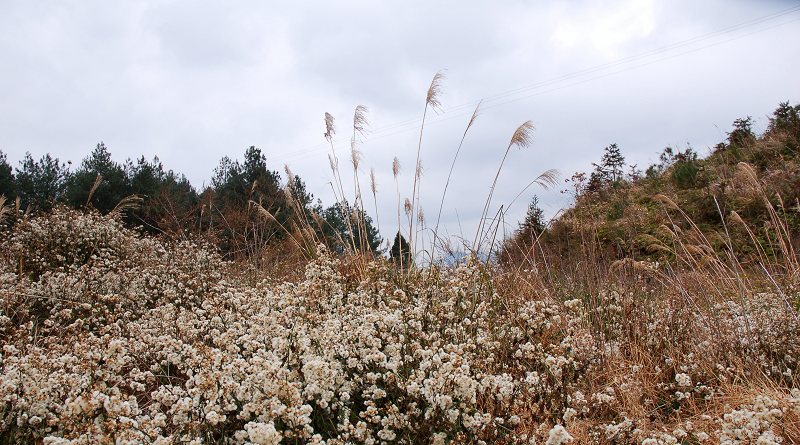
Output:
[[742, 199]]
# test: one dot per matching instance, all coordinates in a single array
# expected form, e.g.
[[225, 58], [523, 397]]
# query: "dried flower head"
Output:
[[332, 163], [548, 179], [395, 167], [474, 116], [289, 175], [434, 91], [360, 122], [329, 128], [355, 155], [523, 136]]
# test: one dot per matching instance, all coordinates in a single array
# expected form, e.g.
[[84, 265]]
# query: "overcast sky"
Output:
[[192, 81]]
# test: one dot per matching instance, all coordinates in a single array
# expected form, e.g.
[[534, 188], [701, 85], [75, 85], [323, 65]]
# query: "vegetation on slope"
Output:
[[736, 199]]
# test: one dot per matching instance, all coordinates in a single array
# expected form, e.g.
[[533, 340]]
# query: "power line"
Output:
[[517, 94], [624, 60]]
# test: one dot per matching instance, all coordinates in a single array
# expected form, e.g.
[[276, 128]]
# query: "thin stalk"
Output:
[[432, 101], [449, 175], [521, 138]]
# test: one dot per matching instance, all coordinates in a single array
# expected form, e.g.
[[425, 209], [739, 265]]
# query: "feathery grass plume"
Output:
[[667, 232], [434, 91], [130, 202], [5, 211], [748, 172], [97, 181], [291, 193], [546, 180], [666, 200], [373, 185], [395, 173], [359, 129], [395, 167], [332, 164], [355, 155], [289, 175], [647, 239], [522, 137], [307, 250], [450, 174], [433, 102], [330, 130], [695, 250], [407, 206], [360, 122]]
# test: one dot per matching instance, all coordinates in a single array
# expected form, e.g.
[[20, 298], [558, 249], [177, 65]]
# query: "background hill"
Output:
[[742, 199]]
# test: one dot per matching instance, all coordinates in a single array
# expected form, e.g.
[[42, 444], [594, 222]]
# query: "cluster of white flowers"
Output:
[[142, 341], [558, 436], [109, 336], [760, 421]]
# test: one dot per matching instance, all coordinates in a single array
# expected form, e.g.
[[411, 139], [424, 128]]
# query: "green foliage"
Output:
[[346, 226], [534, 222], [616, 209], [400, 252], [742, 134], [686, 170], [665, 160], [41, 183], [609, 170], [236, 184], [8, 185], [113, 186], [169, 200], [785, 118]]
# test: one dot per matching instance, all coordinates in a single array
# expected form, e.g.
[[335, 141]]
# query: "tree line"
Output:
[[247, 208]]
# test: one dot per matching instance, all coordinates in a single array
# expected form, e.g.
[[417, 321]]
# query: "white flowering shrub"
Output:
[[112, 337]]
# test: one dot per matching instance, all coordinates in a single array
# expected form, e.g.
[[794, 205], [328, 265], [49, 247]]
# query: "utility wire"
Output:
[[518, 94]]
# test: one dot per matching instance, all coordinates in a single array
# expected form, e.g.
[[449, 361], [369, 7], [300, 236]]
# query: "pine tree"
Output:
[[610, 169], [401, 251], [742, 134], [113, 186], [41, 183], [342, 229], [534, 223], [8, 184]]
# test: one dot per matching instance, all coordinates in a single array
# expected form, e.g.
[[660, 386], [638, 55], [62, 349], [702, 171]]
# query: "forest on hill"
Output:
[[230, 213]]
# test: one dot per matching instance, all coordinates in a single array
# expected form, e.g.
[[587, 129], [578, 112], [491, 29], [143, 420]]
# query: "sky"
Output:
[[193, 81]]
